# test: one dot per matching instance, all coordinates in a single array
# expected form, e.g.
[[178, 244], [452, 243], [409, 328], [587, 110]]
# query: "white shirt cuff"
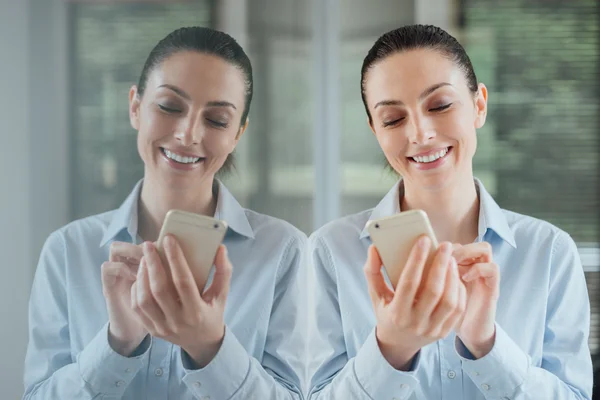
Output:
[[378, 378], [105, 370], [224, 375], [499, 373]]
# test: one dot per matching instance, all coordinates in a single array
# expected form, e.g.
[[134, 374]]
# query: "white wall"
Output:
[[15, 167], [33, 175]]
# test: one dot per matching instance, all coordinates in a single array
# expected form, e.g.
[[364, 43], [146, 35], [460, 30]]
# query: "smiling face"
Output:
[[425, 117], [188, 119]]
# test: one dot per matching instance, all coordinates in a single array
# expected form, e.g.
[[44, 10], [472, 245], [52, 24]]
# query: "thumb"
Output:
[[219, 288], [378, 289]]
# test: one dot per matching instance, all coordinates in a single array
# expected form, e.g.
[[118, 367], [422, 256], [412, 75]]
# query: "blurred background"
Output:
[[308, 156]]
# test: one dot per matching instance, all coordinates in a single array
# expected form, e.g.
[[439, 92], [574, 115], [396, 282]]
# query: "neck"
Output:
[[453, 211], [155, 202]]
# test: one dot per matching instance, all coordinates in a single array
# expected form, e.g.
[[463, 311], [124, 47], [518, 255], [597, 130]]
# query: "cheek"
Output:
[[391, 142], [218, 144], [151, 129]]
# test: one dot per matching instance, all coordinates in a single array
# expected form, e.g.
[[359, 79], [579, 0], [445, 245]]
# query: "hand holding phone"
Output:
[[428, 298], [199, 237], [395, 236]]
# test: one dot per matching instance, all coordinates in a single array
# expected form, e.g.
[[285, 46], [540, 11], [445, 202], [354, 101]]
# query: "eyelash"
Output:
[[437, 109], [175, 111], [441, 108], [168, 109], [217, 124]]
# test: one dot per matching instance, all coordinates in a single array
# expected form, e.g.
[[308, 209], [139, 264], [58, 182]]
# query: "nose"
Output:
[[188, 132], [421, 131]]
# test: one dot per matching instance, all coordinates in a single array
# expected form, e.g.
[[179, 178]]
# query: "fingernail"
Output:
[[423, 241], [147, 246]]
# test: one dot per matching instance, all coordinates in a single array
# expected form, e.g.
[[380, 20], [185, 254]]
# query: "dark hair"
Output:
[[207, 41], [412, 37]]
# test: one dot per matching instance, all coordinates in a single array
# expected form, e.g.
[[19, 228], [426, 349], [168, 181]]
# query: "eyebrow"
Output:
[[187, 97], [176, 90], [425, 93]]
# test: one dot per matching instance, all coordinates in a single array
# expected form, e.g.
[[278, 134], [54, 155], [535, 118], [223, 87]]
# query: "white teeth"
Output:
[[180, 159], [431, 157]]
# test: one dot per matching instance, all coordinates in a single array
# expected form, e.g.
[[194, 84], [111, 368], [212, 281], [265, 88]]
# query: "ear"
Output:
[[481, 106], [242, 130], [134, 108], [370, 122]]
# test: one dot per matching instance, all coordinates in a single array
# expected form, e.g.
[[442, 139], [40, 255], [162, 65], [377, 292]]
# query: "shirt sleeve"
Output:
[[50, 371], [280, 373], [333, 374], [506, 372]]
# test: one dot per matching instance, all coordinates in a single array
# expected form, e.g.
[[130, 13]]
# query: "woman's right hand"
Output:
[[428, 302], [125, 331]]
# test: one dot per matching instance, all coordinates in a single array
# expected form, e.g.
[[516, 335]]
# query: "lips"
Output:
[[179, 157]]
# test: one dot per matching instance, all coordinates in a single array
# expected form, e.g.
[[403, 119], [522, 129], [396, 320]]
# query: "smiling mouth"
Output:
[[179, 158], [432, 157]]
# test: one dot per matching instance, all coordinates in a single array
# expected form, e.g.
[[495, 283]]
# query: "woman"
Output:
[[109, 319], [501, 312]]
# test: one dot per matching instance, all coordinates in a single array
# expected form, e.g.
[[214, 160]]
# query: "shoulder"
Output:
[[67, 245], [550, 245], [85, 230], [343, 230], [274, 230], [537, 232]]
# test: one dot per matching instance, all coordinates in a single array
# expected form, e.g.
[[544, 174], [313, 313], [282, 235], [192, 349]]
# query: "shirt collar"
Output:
[[228, 209], [490, 214]]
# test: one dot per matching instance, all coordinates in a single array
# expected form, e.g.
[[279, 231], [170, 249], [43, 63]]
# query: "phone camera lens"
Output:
[[377, 226], [216, 226]]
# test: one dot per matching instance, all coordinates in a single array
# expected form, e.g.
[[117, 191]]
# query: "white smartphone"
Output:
[[199, 237], [395, 236]]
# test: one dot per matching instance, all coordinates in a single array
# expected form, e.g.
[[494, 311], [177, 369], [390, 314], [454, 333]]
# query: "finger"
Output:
[[378, 288], [410, 278], [442, 319], [122, 251], [111, 272], [474, 252], [434, 285], [145, 300], [219, 288], [462, 306], [146, 323], [487, 271], [183, 280], [161, 286]]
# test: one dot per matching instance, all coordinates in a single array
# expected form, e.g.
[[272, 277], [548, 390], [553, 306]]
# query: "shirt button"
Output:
[[404, 386], [197, 384], [485, 386], [205, 398], [476, 373], [451, 374], [119, 383], [158, 372], [128, 370]]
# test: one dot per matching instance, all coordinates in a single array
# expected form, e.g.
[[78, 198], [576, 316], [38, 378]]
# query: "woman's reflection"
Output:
[[105, 315]]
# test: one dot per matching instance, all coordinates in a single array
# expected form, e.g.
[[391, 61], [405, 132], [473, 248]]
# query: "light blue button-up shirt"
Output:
[[261, 357], [541, 350]]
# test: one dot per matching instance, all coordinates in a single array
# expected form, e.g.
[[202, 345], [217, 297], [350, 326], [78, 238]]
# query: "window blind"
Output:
[[109, 43], [541, 62]]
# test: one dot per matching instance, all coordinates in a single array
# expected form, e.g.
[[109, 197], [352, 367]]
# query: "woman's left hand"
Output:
[[171, 305], [481, 276]]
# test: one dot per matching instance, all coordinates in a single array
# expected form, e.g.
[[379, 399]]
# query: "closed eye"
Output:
[[441, 108], [391, 123], [217, 123], [169, 109]]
